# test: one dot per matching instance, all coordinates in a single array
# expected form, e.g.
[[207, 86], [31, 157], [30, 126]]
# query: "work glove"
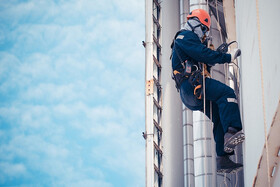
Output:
[[235, 53]]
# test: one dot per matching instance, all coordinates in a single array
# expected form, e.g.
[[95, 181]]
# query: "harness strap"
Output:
[[196, 81], [206, 72], [197, 91], [179, 77]]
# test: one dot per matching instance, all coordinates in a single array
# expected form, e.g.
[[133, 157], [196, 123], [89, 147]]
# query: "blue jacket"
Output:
[[190, 48]]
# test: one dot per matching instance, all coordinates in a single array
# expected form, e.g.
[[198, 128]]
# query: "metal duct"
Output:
[[173, 168]]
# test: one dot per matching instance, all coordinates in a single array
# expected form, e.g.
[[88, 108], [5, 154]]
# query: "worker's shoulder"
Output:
[[186, 35], [184, 32]]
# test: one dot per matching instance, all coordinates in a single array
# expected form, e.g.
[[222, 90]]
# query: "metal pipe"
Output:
[[184, 11], [188, 148], [173, 169]]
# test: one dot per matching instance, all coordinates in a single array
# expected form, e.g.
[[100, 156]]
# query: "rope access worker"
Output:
[[188, 53]]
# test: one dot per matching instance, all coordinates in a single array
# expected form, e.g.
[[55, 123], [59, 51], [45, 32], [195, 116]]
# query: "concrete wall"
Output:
[[247, 36]]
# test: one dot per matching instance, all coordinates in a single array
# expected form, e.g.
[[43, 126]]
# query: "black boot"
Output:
[[225, 165], [232, 138]]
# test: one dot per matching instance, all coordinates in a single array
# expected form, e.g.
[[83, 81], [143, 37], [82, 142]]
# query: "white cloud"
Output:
[[72, 82], [10, 170]]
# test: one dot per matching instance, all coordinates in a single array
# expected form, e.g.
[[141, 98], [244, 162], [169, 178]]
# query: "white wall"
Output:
[[247, 36]]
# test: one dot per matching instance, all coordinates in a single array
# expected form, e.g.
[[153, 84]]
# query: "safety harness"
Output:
[[191, 71]]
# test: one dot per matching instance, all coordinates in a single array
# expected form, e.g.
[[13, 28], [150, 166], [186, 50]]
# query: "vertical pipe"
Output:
[[173, 168], [184, 11], [188, 148], [149, 97], [202, 150]]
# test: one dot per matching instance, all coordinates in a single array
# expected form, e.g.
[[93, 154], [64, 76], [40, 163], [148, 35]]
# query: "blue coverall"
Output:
[[225, 111]]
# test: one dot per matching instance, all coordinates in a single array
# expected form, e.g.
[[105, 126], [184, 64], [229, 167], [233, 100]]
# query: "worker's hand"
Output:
[[235, 53]]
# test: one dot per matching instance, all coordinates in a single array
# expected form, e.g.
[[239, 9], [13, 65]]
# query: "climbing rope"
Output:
[[204, 119], [204, 123], [236, 178], [225, 182], [262, 84]]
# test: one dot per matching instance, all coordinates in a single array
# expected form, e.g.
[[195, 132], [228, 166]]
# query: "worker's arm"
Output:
[[191, 46]]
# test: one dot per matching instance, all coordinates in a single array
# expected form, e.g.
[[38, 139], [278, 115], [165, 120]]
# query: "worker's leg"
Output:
[[218, 131], [225, 99], [224, 164]]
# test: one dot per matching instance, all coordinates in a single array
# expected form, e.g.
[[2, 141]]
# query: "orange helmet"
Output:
[[202, 15]]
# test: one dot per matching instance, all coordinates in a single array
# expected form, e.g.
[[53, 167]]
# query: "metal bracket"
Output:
[[149, 87], [144, 134]]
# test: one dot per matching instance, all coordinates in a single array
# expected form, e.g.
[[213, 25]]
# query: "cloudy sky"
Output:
[[72, 93]]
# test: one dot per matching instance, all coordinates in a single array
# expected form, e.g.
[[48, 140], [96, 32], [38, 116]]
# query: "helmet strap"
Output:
[[191, 26], [194, 26]]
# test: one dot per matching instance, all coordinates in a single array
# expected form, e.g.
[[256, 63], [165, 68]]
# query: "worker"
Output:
[[188, 53]]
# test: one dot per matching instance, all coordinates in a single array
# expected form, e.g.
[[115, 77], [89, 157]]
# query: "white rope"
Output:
[[236, 179], [262, 84], [204, 123], [225, 182], [204, 119]]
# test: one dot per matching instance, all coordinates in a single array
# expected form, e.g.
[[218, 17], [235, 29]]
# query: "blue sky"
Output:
[[72, 93]]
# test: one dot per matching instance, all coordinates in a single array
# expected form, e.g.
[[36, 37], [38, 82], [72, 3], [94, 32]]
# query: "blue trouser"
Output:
[[225, 111]]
